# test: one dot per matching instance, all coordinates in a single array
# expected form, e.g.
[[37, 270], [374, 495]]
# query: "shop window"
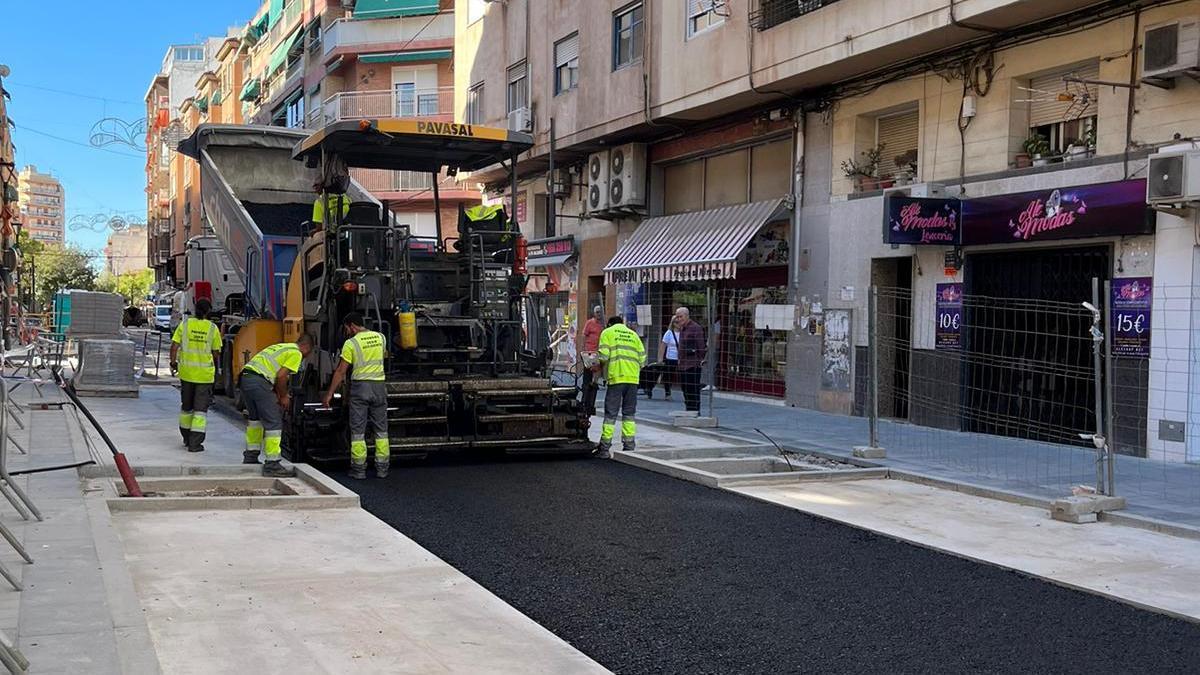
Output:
[[726, 179], [1063, 113], [771, 170], [683, 187]]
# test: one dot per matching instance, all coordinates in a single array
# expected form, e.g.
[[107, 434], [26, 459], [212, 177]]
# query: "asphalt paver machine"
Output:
[[462, 369]]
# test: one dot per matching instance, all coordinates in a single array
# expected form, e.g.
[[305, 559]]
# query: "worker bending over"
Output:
[[195, 349], [364, 351], [264, 385], [622, 355]]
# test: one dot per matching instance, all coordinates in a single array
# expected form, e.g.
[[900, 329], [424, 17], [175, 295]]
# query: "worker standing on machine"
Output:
[[329, 200], [364, 351], [622, 355], [195, 349], [264, 385]]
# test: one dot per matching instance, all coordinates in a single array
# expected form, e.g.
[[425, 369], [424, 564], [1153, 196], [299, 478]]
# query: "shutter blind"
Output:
[[897, 134], [1047, 86], [516, 71], [567, 50]]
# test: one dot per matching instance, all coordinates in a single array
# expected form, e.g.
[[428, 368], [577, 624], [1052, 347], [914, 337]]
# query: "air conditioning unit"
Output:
[[927, 190], [1173, 177], [627, 176], [1171, 48], [597, 182], [521, 120]]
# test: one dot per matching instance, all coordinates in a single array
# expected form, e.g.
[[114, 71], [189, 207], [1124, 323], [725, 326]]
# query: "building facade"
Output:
[[766, 129], [43, 206], [125, 250]]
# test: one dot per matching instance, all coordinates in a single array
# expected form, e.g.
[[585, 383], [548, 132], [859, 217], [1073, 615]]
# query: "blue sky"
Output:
[[95, 50]]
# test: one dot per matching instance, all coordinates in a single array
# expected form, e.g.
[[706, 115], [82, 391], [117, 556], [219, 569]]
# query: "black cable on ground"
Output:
[[43, 469]]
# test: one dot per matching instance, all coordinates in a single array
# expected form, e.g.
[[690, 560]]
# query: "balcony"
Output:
[[385, 180], [771, 13], [284, 25], [360, 105], [361, 35]]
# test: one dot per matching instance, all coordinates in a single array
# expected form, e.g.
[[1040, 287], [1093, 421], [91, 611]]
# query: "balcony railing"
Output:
[[364, 33], [385, 180], [400, 102], [283, 26], [771, 13]]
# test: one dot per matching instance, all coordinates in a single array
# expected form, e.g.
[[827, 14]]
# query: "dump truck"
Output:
[[255, 201], [467, 360]]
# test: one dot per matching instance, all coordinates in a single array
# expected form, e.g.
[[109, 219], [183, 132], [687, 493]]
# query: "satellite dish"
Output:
[[4, 71]]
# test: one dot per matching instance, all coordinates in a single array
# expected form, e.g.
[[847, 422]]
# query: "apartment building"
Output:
[[745, 126], [125, 250], [43, 206], [168, 200]]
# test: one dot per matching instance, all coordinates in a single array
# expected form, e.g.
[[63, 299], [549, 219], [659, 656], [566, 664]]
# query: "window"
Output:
[[566, 64], [475, 104], [627, 36], [1064, 123], [314, 35], [294, 112], [897, 135], [705, 14], [518, 86], [415, 91]]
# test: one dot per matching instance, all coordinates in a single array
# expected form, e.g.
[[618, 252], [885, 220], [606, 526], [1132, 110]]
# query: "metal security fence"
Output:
[[1043, 396]]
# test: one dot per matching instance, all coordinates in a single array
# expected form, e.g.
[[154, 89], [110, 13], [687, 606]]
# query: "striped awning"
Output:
[[696, 246]]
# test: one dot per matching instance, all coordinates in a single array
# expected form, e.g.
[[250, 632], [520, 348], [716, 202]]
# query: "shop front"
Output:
[[554, 289], [1006, 342], [729, 267]]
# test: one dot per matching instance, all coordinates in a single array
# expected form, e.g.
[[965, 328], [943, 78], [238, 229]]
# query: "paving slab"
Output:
[[1147, 569], [330, 591]]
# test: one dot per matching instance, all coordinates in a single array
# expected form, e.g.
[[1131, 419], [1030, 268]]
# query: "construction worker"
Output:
[[264, 385], [364, 351], [328, 201], [622, 356], [195, 350]]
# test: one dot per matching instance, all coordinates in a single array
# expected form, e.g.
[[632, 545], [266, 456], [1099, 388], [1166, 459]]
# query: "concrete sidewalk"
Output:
[[331, 590], [1155, 489]]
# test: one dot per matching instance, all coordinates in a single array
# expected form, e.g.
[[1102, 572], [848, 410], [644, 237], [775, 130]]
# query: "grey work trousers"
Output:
[[368, 403], [194, 399]]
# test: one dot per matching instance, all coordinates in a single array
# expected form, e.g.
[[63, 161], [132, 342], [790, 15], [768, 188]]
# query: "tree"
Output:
[[62, 268], [134, 286]]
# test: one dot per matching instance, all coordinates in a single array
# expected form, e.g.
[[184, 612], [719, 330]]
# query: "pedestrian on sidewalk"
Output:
[[195, 350], [364, 351], [589, 360], [264, 386], [622, 355], [668, 357], [692, 352]]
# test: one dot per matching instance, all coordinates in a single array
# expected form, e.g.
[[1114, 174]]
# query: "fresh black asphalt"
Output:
[[648, 574]]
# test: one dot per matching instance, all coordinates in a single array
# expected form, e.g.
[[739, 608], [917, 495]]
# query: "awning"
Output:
[[279, 56], [382, 9], [250, 90], [333, 66], [202, 103], [550, 260], [216, 98], [401, 57], [274, 12], [696, 246]]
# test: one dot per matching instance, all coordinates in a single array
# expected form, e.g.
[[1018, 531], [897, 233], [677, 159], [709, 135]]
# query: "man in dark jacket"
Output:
[[692, 352]]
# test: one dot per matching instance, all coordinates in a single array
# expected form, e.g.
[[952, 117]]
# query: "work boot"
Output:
[[187, 436], [602, 450], [249, 457], [358, 470], [381, 468], [273, 469], [628, 445], [199, 447]]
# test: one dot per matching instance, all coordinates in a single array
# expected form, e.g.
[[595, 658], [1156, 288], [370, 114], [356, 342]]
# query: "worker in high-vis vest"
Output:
[[195, 350], [363, 355], [327, 202], [264, 386], [622, 356]]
